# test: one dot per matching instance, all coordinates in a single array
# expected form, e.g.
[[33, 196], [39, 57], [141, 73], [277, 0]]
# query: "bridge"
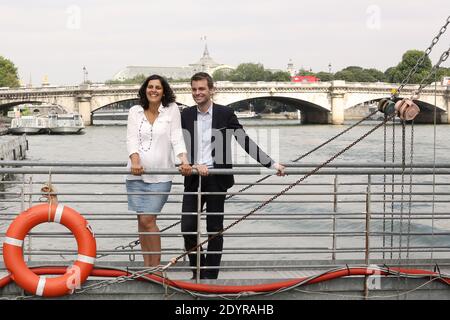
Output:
[[320, 103]]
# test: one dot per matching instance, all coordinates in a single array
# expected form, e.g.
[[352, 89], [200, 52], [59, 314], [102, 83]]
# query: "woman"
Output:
[[153, 135]]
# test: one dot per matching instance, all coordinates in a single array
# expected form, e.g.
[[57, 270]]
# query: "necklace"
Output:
[[140, 136]]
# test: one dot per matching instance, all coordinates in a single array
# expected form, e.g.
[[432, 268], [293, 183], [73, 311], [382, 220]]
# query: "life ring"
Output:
[[75, 275]]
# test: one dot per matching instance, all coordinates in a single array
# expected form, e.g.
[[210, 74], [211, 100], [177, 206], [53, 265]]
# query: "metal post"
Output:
[[368, 199], [367, 257], [199, 219], [29, 205], [22, 195], [335, 199]]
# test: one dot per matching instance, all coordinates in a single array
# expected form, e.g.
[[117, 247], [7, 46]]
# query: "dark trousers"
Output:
[[214, 223]]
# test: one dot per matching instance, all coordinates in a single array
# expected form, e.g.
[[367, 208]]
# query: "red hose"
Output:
[[208, 288]]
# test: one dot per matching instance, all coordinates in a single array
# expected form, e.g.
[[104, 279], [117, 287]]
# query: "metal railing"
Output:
[[340, 213]]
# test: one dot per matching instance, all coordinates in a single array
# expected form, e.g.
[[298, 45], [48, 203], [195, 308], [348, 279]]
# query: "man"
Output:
[[208, 128]]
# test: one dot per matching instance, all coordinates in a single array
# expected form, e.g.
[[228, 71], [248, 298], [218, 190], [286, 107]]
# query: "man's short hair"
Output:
[[203, 76]]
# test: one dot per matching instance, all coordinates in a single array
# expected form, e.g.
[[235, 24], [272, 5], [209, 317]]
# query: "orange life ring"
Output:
[[75, 274]]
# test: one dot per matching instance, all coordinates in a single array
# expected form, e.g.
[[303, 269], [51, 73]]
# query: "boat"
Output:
[[28, 125], [44, 118], [65, 123], [246, 114]]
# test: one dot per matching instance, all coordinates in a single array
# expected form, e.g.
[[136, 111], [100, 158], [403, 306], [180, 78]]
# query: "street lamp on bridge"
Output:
[[85, 75]]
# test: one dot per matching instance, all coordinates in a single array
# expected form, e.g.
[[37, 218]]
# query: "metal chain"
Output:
[[422, 59], [392, 187], [384, 182], [309, 152], [411, 159], [400, 240], [174, 260], [131, 276], [433, 71]]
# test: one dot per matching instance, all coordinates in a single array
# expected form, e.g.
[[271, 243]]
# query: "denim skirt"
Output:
[[147, 203]]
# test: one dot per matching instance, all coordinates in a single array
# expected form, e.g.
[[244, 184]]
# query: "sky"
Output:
[[58, 38]]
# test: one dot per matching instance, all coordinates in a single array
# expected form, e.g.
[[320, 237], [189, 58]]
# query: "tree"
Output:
[[303, 72], [441, 73], [358, 74], [280, 76], [8, 73], [251, 72], [325, 76], [138, 79], [219, 75], [409, 59], [248, 72], [376, 74]]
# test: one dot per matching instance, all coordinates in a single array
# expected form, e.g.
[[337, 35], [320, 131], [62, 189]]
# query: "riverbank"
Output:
[[13, 147]]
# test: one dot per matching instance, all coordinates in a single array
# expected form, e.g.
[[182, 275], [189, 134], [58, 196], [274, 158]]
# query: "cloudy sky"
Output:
[[58, 38]]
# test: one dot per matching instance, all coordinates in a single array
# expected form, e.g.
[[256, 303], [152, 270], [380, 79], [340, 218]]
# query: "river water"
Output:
[[285, 141]]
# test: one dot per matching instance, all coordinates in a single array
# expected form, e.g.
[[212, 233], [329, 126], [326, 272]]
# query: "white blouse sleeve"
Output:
[[176, 133], [132, 132]]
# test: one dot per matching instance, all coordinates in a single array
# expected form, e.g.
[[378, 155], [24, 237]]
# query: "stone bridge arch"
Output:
[[121, 104], [310, 112], [115, 111], [6, 106], [426, 115], [9, 105]]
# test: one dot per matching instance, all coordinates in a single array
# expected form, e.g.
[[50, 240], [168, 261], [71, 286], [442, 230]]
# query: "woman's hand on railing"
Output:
[[137, 170], [136, 167]]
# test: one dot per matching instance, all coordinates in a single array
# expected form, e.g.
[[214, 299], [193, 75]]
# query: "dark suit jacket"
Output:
[[225, 125]]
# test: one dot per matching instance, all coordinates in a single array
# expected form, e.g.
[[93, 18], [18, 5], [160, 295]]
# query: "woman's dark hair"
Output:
[[168, 95]]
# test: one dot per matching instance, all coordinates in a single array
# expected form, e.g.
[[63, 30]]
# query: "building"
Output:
[[306, 79], [205, 64]]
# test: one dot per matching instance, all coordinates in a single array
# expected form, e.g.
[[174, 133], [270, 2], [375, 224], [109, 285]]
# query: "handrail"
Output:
[[302, 230], [336, 164], [262, 171]]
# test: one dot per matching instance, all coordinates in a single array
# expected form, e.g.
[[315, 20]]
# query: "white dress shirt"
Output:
[[204, 131], [157, 144]]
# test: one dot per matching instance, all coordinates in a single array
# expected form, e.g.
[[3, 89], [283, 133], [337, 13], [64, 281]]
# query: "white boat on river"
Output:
[[44, 118], [246, 114], [65, 123], [28, 125]]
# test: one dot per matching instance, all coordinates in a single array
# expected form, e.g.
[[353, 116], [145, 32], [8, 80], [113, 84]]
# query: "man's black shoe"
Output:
[[204, 275]]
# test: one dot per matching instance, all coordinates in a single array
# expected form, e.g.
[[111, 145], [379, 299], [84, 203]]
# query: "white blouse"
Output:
[[157, 144]]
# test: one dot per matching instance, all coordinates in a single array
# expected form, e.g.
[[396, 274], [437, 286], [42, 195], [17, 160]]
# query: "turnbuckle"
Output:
[[405, 109]]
